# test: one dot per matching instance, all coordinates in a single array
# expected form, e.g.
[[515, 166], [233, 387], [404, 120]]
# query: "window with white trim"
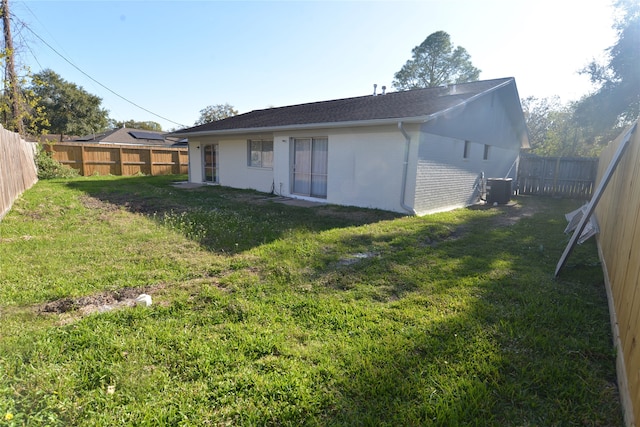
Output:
[[260, 153]]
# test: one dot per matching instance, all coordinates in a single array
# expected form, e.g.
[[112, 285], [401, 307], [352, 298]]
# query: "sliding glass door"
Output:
[[310, 166], [210, 162]]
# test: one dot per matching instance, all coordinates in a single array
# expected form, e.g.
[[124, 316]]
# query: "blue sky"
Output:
[[174, 58]]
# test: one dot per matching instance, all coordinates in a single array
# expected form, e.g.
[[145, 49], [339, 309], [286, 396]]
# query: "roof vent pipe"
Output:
[[375, 86], [384, 90]]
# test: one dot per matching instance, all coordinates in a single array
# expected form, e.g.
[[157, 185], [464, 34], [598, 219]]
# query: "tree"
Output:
[[616, 101], [133, 124], [540, 115], [215, 112], [31, 115], [11, 81], [553, 130], [18, 104], [69, 108], [436, 62]]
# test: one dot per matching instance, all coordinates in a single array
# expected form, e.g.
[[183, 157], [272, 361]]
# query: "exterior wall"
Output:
[[365, 170], [445, 180], [490, 119], [364, 166], [233, 170]]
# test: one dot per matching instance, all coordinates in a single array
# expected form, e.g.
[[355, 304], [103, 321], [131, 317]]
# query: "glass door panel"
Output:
[[310, 166], [210, 163], [302, 166]]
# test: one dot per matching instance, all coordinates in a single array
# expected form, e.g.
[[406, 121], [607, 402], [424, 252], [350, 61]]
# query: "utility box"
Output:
[[498, 190]]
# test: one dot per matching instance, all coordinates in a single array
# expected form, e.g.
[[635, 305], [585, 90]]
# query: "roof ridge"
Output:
[[413, 103], [379, 95]]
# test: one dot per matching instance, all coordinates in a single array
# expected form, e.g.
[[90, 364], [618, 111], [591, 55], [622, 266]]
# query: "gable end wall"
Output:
[[445, 180]]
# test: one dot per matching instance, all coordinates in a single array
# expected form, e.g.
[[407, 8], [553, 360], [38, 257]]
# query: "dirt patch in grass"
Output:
[[112, 202], [93, 302], [73, 309], [97, 204], [514, 211]]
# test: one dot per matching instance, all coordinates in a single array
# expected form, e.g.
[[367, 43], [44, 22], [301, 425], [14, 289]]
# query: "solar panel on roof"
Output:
[[147, 135]]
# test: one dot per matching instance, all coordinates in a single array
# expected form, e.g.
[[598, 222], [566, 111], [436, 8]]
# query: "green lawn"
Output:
[[269, 314]]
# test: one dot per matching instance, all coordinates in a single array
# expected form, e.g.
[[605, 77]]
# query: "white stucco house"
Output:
[[416, 152]]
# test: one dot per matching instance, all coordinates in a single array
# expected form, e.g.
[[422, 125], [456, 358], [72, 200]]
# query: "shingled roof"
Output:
[[130, 137], [411, 104]]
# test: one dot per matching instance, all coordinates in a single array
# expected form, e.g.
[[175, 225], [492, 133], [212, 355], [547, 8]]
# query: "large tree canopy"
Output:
[[436, 62], [552, 131], [34, 119], [69, 108], [584, 127], [215, 112], [616, 101]]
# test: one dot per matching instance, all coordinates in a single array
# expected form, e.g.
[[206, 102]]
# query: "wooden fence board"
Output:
[[102, 159], [628, 192], [572, 177], [18, 170], [618, 215]]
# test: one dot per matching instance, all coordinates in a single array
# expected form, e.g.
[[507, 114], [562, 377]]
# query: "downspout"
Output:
[[405, 170]]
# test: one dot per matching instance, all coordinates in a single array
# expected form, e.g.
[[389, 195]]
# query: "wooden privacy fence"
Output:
[[102, 159], [618, 216], [18, 170], [570, 177]]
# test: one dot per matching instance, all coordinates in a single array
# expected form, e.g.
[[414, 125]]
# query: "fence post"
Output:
[[150, 162], [83, 160], [120, 161], [175, 158], [555, 177], [88, 154]]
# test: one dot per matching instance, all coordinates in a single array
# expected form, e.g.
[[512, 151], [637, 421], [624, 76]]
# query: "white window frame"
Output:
[[260, 153]]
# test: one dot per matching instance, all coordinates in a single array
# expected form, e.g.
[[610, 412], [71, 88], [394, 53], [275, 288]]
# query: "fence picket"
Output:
[[571, 177], [103, 159], [618, 215], [18, 170]]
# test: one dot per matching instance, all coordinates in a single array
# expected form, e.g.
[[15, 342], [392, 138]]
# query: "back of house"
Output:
[[415, 152]]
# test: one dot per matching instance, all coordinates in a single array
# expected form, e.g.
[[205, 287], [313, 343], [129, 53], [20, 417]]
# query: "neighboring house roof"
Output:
[[131, 137], [416, 105], [48, 138]]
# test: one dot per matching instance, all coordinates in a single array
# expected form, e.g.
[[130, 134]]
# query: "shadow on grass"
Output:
[[222, 220], [464, 324], [503, 343]]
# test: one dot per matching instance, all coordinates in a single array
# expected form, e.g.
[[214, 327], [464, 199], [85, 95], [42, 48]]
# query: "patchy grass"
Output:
[[267, 314]]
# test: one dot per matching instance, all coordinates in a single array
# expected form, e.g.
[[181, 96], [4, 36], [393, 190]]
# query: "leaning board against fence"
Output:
[[618, 215], [18, 170], [112, 159], [570, 177]]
